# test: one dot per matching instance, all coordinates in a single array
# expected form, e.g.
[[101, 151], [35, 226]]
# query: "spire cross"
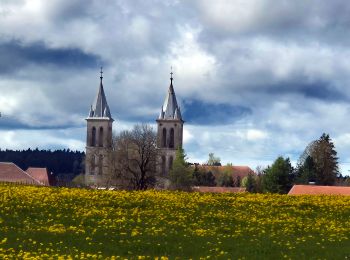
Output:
[[171, 73], [101, 74]]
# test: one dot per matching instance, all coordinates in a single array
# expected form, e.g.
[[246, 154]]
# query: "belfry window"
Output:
[[164, 137], [100, 137], [171, 143], [93, 137]]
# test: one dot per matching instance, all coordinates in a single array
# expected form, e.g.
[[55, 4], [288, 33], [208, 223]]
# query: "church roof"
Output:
[[100, 107], [170, 109]]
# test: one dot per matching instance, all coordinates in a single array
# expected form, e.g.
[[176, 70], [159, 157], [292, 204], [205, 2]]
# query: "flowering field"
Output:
[[77, 223]]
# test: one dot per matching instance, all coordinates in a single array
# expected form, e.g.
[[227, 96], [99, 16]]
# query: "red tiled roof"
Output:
[[318, 190], [10, 172], [40, 174], [218, 189], [236, 171]]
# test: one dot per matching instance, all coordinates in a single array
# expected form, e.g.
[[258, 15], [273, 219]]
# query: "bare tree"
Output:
[[136, 157]]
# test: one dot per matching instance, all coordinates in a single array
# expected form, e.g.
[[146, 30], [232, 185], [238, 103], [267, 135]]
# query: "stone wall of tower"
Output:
[[167, 143], [98, 147]]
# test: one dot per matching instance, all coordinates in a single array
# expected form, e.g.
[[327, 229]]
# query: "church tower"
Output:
[[169, 131], [98, 140]]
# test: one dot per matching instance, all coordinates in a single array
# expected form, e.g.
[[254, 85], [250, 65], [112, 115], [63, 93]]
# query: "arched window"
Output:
[[171, 143], [100, 137], [164, 137], [100, 164], [170, 163], [93, 137], [163, 165], [92, 165]]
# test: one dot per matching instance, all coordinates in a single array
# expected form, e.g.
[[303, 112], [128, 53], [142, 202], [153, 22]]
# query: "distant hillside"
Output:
[[59, 161]]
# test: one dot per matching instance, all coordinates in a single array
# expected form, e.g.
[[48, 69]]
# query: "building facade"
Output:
[[169, 131], [98, 140]]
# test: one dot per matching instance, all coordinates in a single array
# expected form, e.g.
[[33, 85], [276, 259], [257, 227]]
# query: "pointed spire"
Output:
[[170, 109], [100, 107]]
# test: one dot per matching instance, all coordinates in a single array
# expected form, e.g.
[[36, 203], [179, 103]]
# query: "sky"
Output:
[[254, 79]]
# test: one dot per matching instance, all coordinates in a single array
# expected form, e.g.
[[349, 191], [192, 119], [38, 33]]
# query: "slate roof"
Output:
[[40, 174], [100, 108], [170, 109], [319, 190], [10, 172]]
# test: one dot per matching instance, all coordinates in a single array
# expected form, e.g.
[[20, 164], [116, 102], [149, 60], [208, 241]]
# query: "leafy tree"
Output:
[[249, 183], [213, 160], [278, 176], [180, 175]]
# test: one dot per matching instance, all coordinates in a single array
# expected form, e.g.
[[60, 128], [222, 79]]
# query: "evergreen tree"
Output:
[[325, 157], [203, 178], [278, 176], [306, 172], [180, 175], [225, 180], [249, 183]]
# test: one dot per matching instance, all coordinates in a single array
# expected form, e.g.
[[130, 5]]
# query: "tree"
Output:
[[249, 183], [326, 161], [319, 162], [278, 176], [214, 161], [180, 175], [133, 162], [203, 177], [306, 172], [225, 180]]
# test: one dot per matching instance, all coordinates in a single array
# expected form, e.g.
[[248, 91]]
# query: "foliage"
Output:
[[61, 223], [306, 172], [249, 183], [135, 156], [213, 160], [180, 175], [59, 161], [225, 180], [326, 161], [203, 178], [278, 176], [323, 168]]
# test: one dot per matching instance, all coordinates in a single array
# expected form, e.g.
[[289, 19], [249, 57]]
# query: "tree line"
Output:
[[59, 162]]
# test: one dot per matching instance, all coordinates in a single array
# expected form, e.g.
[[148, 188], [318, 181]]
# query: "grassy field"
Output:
[[76, 223]]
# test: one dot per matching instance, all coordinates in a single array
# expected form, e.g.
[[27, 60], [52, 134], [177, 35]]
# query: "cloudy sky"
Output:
[[255, 79]]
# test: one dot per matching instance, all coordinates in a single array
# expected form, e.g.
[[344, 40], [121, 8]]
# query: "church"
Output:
[[99, 136]]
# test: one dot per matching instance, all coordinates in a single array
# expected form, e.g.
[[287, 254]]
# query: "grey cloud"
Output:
[[15, 55]]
